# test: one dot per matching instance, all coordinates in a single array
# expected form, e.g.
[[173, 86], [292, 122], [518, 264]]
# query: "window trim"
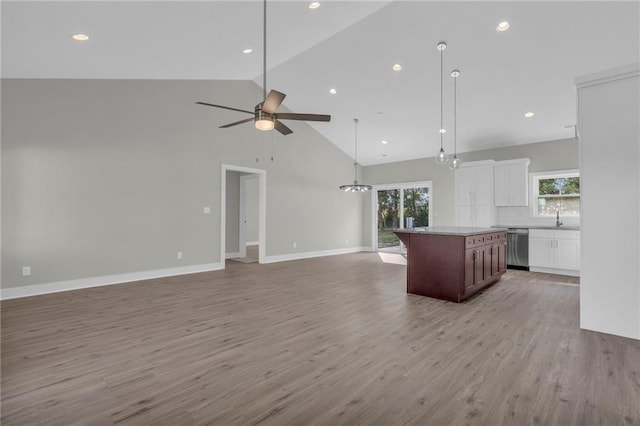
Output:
[[535, 177]]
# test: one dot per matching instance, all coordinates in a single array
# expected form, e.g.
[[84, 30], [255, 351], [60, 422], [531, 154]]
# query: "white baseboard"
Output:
[[252, 243], [55, 287], [569, 272], [309, 254], [232, 255]]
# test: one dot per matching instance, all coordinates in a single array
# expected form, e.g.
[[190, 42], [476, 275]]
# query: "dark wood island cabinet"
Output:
[[453, 263]]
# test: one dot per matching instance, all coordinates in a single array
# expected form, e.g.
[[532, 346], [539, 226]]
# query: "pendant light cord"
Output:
[[441, 97], [264, 50], [455, 114], [355, 164]]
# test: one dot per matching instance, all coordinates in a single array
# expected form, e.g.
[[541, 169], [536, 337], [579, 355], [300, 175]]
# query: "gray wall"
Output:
[[550, 155], [104, 177]]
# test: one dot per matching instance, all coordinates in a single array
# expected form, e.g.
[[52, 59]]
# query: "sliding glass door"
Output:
[[388, 218], [399, 206]]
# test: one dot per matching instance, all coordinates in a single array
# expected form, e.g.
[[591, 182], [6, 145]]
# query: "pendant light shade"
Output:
[[441, 157], [455, 162], [355, 187]]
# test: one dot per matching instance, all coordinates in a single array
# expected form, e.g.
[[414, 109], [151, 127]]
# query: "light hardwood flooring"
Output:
[[327, 341]]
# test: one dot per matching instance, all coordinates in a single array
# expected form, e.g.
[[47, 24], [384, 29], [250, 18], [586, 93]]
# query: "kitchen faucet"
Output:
[[558, 221]]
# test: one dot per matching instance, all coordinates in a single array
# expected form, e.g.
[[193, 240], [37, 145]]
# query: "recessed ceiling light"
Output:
[[442, 130], [314, 5], [529, 114], [397, 67], [80, 37], [384, 142], [503, 26], [247, 51], [333, 91]]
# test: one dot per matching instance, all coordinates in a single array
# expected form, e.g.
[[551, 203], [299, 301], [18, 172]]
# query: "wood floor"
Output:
[[327, 341]]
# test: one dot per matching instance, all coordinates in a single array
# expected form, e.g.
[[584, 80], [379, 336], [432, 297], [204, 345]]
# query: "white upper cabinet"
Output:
[[511, 182], [474, 194], [464, 186]]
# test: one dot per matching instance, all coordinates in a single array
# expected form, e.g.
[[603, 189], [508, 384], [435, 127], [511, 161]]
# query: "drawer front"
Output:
[[498, 237], [568, 235], [470, 242], [474, 241], [542, 233], [554, 233]]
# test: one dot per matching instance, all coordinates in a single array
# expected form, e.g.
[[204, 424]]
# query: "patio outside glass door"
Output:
[[404, 207], [388, 218]]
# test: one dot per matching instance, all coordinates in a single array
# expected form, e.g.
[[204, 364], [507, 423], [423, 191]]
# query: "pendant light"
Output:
[[455, 161], [355, 187], [441, 157]]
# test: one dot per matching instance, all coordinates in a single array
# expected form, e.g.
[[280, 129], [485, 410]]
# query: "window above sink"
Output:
[[553, 191]]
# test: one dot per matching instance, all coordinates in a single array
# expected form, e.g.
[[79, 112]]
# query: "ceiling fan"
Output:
[[264, 114]]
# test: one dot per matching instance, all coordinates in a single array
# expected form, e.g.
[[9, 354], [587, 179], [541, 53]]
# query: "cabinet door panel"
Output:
[[495, 258], [519, 184], [568, 254], [464, 184], [483, 184], [502, 256], [511, 184], [469, 269], [464, 215], [487, 262], [501, 185], [540, 252]]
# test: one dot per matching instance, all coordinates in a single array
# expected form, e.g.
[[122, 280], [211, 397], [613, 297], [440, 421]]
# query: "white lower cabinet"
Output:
[[554, 251]]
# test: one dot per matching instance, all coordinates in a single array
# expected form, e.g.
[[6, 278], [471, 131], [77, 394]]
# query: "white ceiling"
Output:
[[351, 47]]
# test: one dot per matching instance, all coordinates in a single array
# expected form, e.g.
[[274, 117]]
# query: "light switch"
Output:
[[26, 271], [206, 210]]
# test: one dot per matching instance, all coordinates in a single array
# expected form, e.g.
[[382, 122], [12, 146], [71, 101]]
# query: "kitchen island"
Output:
[[453, 263]]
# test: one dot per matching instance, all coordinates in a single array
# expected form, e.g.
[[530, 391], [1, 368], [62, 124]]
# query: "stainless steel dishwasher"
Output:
[[518, 248]]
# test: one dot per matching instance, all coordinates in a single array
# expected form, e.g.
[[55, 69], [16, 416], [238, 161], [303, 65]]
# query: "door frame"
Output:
[[262, 209], [242, 223], [400, 186]]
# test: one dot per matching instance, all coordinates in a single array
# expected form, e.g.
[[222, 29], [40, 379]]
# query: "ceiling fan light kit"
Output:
[[265, 123], [355, 187], [265, 117]]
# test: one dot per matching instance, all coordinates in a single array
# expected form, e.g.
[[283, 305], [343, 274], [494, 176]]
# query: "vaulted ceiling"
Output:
[[349, 46]]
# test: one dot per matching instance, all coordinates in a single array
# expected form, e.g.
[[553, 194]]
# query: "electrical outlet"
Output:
[[26, 271], [206, 210], [179, 255], [295, 245]]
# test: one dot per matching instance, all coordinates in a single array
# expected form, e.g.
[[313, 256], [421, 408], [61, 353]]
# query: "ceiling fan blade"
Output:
[[282, 128], [273, 101], [226, 107], [236, 123], [304, 117]]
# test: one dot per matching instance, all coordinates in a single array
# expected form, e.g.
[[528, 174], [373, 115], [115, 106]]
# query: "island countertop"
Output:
[[462, 231]]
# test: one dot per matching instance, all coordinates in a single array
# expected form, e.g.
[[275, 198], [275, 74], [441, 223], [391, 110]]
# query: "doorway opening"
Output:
[[399, 206], [243, 214]]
